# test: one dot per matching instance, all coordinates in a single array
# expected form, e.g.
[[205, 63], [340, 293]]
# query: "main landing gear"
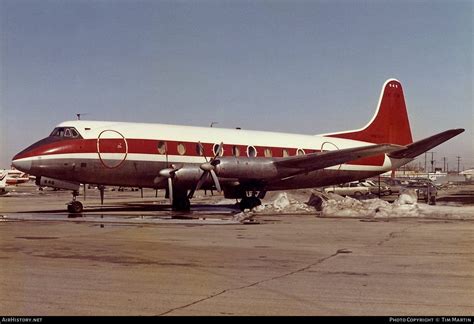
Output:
[[75, 206], [249, 202], [181, 201]]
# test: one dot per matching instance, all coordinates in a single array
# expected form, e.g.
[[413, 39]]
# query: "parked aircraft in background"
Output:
[[3, 182], [14, 177], [244, 164]]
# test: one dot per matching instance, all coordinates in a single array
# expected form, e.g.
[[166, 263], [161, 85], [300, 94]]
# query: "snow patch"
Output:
[[283, 204], [407, 197], [405, 206], [332, 205]]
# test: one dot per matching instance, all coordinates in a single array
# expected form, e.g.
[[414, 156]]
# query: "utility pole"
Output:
[[425, 162], [444, 164], [459, 160], [432, 161]]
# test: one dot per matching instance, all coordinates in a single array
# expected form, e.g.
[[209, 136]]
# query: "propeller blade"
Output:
[[166, 153], [201, 148], [216, 180], [201, 180], [199, 184], [170, 190]]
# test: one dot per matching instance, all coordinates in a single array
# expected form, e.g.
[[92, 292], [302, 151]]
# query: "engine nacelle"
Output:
[[56, 183], [187, 176], [246, 168]]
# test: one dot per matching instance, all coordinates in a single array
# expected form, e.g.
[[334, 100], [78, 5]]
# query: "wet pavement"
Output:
[[123, 259]]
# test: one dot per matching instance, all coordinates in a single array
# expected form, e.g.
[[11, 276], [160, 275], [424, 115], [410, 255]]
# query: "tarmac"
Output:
[[142, 259]]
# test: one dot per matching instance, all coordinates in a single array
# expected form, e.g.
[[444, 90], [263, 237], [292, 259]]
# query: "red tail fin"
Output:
[[390, 123]]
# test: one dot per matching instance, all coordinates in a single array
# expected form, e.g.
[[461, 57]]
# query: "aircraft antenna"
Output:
[[78, 115]]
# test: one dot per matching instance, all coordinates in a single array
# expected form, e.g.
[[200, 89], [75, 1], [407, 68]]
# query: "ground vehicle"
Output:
[[425, 190], [396, 185], [348, 189], [376, 189]]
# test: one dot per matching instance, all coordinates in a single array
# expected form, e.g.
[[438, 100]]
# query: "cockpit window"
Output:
[[74, 132], [69, 132]]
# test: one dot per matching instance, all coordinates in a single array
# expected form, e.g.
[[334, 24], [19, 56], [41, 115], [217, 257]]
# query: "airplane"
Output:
[[244, 164], [3, 182], [15, 177]]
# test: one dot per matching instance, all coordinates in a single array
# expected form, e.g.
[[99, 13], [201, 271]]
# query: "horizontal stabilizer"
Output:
[[321, 160], [420, 147]]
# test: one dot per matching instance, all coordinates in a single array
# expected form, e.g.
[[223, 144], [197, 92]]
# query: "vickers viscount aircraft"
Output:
[[244, 164]]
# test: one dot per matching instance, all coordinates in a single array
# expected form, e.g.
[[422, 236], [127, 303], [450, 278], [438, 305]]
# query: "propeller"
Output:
[[169, 173], [209, 169]]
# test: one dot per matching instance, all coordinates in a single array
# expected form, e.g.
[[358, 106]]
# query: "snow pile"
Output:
[[405, 206], [332, 205], [350, 207], [284, 204], [407, 197], [241, 217]]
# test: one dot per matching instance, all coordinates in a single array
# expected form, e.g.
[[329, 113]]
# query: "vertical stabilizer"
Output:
[[390, 123]]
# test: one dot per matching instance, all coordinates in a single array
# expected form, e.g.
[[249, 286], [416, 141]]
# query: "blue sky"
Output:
[[293, 66]]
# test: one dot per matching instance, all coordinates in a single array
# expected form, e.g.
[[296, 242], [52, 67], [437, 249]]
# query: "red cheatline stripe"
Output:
[[145, 146]]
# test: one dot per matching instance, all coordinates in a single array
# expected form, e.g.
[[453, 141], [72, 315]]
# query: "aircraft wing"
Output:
[[321, 160], [414, 149]]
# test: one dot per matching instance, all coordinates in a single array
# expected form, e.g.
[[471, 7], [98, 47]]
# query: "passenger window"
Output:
[[67, 133], [181, 149], [235, 150], [161, 147], [285, 153], [300, 152], [217, 147], [268, 152], [251, 151]]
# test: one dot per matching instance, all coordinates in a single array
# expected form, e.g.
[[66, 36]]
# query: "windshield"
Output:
[[68, 132]]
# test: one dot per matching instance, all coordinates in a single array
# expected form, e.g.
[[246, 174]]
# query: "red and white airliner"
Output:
[[244, 164]]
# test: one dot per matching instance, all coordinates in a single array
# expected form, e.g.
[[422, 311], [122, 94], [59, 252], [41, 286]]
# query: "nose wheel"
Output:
[[75, 206]]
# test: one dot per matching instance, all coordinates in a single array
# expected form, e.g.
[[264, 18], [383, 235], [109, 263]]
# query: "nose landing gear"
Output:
[[75, 206]]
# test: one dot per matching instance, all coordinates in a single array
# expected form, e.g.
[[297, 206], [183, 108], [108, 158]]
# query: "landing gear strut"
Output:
[[75, 206], [249, 202], [181, 201]]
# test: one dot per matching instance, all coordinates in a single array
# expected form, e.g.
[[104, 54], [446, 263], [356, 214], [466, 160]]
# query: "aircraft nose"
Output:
[[22, 164]]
